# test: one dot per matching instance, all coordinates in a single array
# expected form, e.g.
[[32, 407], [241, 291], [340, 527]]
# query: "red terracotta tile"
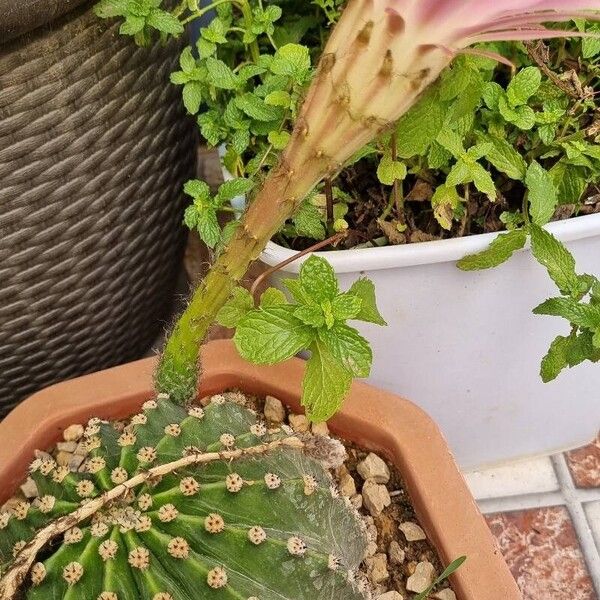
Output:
[[585, 465], [541, 549]]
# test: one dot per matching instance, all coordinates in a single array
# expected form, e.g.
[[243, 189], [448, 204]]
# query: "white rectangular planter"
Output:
[[466, 346]]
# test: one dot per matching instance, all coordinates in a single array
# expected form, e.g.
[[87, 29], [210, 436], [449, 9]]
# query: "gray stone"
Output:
[[373, 467], [412, 532], [29, 488], [274, 410], [446, 594], [299, 423], [346, 483], [66, 446], [73, 433], [396, 553], [375, 497], [377, 568], [320, 429], [422, 578]]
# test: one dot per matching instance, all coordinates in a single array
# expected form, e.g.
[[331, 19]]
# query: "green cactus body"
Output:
[[265, 524]]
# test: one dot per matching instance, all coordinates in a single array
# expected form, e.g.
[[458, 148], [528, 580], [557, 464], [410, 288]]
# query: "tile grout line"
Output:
[[574, 502]]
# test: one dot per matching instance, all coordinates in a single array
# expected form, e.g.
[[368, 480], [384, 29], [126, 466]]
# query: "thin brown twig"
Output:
[[334, 239], [14, 577], [329, 201]]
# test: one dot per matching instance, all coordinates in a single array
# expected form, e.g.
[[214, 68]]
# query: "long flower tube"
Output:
[[380, 58]]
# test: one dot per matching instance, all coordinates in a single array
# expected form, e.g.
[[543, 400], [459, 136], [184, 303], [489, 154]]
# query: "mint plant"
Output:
[[315, 320], [186, 503], [250, 70]]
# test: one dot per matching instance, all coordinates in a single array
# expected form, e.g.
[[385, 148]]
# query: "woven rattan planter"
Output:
[[94, 150]]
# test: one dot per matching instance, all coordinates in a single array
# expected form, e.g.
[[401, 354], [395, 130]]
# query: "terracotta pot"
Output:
[[372, 418]]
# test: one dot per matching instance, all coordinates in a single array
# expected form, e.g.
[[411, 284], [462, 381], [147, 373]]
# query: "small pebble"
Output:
[[371, 549], [42, 455], [75, 462], [375, 497], [446, 594], [422, 578], [29, 488], [391, 596], [377, 568], [396, 553], [73, 433], [64, 458], [373, 467], [66, 446], [274, 410], [347, 484], [412, 532], [299, 423], [320, 429], [356, 501], [81, 450]]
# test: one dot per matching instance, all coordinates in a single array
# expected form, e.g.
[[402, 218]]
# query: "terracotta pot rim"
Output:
[[372, 418]]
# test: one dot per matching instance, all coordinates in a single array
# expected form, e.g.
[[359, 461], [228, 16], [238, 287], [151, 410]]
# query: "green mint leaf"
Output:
[[192, 96], [233, 188], [236, 308], [390, 170], [580, 314], [346, 306], [187, 62], [279, 139], [521, 116], [451, 141], [279, 98], [270, 335], [326, 384], [205, 48], [492, 92], [164, 21], [240, 141], [208, 226], [179, 78], [524, 85], [211, 127], [568, 352], [349, 347], [308, 222], [542, 194], [298, 293], [292, 60], [419, 128], [498, 252], [318, 279], [105, 9], [132, 25], [365, 290], [570, 182], [483, 181], [197, 189], [220, 75], [272, 297], [215, 32], [256, 108], [505, 158], [558, 261], [190, 216], [310, 315]]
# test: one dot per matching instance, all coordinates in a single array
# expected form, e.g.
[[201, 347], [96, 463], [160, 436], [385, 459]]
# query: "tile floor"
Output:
[[545, 514]]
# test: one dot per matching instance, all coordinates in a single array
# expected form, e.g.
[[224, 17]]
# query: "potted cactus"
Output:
[[504, 140], [204, 501]]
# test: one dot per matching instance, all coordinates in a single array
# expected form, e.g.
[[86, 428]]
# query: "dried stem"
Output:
[[14, 577], [334, 239], [329, 201]]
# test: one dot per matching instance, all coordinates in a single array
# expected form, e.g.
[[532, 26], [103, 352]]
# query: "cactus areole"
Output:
[[185, 504], [379, 59]]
